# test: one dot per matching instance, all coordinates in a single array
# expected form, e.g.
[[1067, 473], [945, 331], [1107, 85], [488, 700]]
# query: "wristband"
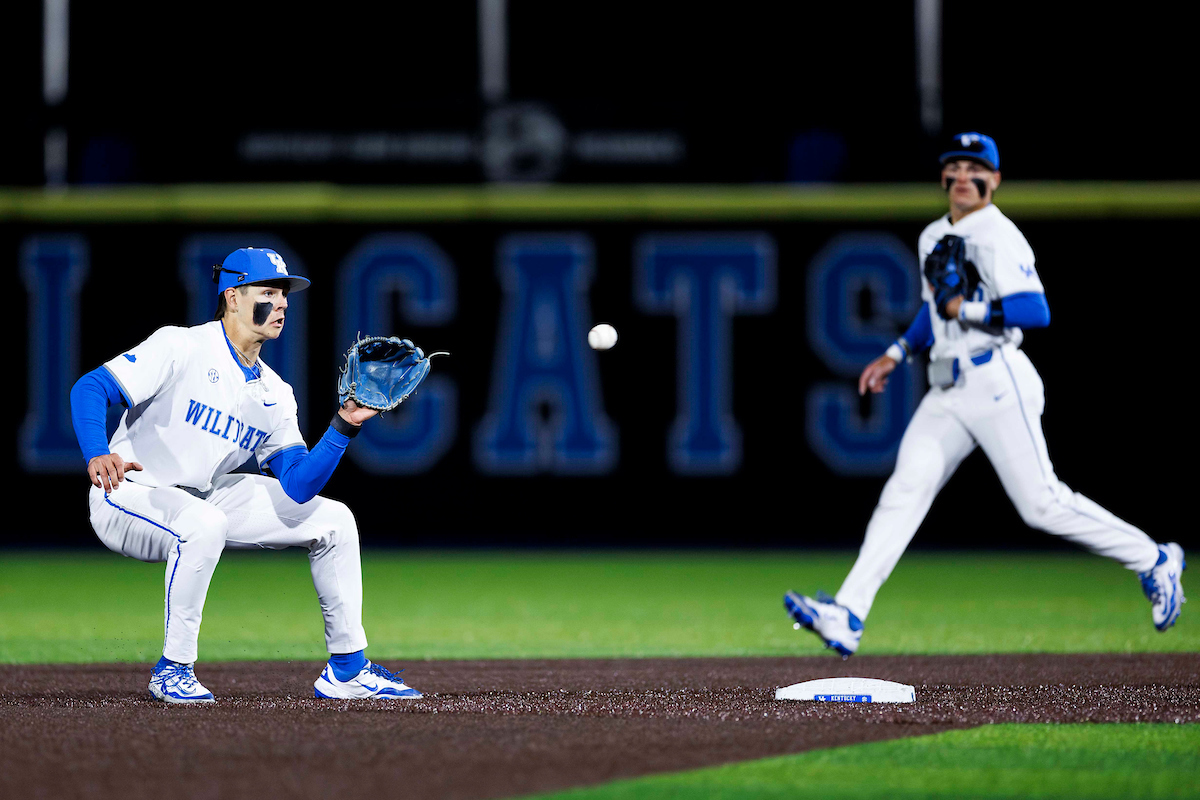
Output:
[[344, 428], [996, 315], [896, 353], [976, 312]]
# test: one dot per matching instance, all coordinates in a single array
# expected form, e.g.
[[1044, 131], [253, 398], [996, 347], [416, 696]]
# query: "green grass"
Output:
[[996, 761], [97, 606], [306, 202]]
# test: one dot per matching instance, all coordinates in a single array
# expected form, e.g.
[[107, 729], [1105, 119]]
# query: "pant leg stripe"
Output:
[[171, 583], [1021, 403], [178, 552], [1129, 529], [123, 510]]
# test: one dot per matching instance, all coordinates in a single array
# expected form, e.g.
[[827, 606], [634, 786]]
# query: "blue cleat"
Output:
[[836, 625], [1162, 586], [176, 683]]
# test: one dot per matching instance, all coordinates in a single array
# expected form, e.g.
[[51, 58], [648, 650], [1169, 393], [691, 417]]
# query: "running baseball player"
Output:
[[981, 289], [201, 402]]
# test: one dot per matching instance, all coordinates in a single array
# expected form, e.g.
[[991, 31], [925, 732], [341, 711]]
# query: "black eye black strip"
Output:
[[262, 311]]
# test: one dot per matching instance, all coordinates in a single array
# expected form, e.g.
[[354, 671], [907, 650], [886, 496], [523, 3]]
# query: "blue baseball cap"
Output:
[[975, 146], [251, 265]]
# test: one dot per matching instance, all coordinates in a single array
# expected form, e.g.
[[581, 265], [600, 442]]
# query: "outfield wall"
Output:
[[725, 415]]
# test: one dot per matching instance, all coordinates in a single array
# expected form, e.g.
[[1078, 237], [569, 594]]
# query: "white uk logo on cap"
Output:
[[277, 260]]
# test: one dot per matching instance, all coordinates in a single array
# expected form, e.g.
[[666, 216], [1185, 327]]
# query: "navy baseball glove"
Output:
[[382, 372], [947, 271]]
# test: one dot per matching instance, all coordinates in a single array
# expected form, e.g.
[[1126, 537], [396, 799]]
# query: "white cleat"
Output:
[[177, 683], [373, 682], [1162, 586], [836, 625]]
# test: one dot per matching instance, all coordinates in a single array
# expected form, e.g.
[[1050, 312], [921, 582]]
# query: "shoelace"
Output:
[[382, 671], [179, 675]]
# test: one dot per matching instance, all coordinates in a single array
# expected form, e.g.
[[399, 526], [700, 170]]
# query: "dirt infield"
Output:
[[502, 728]]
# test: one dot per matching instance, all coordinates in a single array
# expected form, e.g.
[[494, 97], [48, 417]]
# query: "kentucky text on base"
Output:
[[980, 290], [200, 404]]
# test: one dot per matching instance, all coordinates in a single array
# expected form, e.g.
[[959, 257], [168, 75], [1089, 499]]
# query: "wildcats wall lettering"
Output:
[[545, 406], [704, 280], [421, 431], [542, 357], [53, 269], [846, 337]]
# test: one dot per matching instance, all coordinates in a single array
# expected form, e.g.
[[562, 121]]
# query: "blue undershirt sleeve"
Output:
[[90, 398], [303, 473], [920, 333], [1025, 310]]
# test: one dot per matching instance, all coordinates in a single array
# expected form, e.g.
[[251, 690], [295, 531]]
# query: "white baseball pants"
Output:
[[242, 511], [997, 406]]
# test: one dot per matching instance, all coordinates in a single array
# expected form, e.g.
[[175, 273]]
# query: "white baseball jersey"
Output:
[[997, 406], [197, 412], [1006, 266]]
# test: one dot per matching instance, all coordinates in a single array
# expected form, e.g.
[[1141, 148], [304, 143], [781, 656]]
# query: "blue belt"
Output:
[[945, 372], [978, 360]]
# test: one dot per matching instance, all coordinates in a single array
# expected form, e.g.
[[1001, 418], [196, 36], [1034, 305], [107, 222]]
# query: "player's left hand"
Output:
[[381, 372], [355, 414]]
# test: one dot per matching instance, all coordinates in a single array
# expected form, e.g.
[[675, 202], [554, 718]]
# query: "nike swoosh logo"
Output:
[[131, 358], [997, 397], [268, 405]]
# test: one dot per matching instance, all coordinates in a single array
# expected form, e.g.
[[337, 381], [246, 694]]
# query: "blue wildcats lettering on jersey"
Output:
[[198, 409], [212, 417]]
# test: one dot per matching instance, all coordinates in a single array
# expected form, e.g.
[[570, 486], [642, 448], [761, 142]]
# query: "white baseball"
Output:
[[602, 337]]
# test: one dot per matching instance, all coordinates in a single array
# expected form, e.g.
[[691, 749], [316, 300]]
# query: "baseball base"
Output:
[[849, 690]]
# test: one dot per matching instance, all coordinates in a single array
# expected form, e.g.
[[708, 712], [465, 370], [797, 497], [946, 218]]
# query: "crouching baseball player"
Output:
[[201, 403], [980, 290]]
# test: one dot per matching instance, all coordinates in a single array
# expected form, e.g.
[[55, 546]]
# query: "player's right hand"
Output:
[[875, 376], [106, 472]]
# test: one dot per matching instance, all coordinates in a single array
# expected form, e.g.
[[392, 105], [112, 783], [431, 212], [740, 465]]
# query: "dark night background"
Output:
[[760, 93]]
